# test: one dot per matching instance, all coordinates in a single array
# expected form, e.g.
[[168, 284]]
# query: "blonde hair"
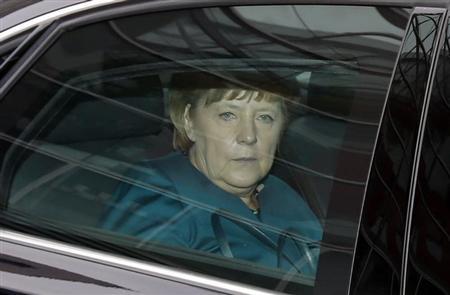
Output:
[[180, 98]]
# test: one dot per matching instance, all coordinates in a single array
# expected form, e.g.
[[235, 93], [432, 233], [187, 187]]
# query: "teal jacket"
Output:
[[175, 204]]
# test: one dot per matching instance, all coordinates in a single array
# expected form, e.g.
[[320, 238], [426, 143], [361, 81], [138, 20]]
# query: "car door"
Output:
[[381, 259], [32, 265], [78, 112], [426, 269]]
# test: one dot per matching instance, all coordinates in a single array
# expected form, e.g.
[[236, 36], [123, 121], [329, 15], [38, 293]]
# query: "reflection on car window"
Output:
[[382, 231], [217, 189], [429, 246], [225, 141]]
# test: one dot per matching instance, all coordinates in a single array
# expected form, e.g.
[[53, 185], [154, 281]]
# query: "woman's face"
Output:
[[234, 141]]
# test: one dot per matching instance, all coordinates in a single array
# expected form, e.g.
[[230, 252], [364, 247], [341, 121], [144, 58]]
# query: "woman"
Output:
[[216, 194]]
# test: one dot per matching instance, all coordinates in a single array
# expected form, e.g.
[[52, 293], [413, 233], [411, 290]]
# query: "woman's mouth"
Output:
[[245, 159]]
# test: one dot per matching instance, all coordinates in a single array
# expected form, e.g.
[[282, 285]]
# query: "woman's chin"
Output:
[[243, 181]]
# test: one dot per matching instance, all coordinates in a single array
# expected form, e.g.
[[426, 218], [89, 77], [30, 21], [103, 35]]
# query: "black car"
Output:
[[84, 100]]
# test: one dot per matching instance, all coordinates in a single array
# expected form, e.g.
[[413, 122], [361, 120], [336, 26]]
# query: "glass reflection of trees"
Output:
[[381, 237], [429, 252]]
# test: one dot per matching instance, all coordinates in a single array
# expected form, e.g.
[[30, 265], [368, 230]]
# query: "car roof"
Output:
[[14, 12]]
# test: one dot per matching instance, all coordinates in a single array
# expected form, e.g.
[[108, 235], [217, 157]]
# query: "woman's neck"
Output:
[[251, 200]]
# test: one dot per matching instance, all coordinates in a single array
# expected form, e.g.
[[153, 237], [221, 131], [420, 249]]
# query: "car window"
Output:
[[221, 140], [429, 244], [378, 258]]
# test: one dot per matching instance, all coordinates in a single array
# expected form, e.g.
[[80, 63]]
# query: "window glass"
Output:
[[378, 260], [429, 246], [224, 140]]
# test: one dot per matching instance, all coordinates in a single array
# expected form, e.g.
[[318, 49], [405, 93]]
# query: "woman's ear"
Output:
[[188, 124]]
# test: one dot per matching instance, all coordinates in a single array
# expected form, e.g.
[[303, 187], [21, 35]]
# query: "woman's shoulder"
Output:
[[287, 206], [283, 198], [155, 169], [167, 159], [164, 177], [276, 185], [144, 191]]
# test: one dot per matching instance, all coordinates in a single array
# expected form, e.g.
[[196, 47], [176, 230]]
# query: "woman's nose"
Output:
[[247, 132]]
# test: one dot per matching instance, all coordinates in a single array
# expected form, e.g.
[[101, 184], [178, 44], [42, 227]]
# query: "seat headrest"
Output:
[[86, 118]]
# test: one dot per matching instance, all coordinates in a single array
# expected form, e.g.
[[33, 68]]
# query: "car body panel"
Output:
[[27, 266], [13, 15], [38, 262]]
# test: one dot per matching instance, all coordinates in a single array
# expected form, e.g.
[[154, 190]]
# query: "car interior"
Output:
[[74, 158]]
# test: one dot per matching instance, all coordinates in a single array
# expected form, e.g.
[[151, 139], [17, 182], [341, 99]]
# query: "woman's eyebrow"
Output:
[[231, 105]]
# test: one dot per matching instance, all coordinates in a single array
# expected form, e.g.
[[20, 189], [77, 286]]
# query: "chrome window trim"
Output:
[[51, 16], [152, 269], [417, 10], [36, 31], [441, 36]]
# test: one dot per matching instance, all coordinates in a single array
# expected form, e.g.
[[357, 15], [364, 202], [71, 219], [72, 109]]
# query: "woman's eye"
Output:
[[265, 118], [227, 116]]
